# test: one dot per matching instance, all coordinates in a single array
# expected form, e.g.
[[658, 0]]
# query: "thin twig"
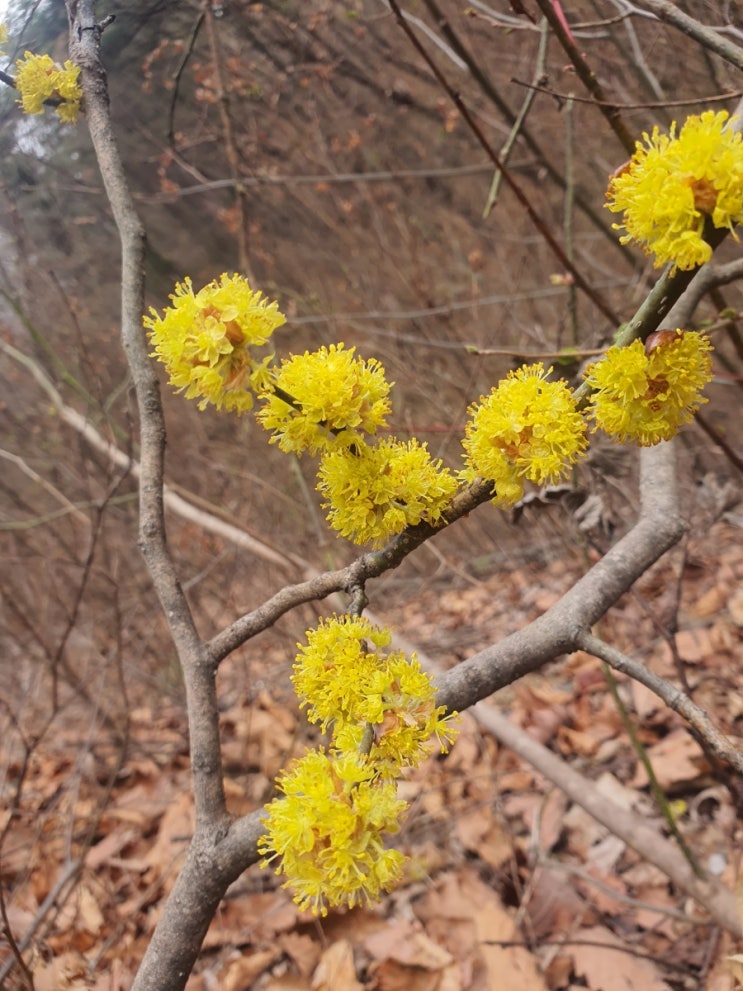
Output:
[[180, 504], [518, 124], [706, 36], [489, 90], [655, 789], [717, 438], [569, 216], [640, 105], [515, 188], [587, 76], [16, 955], [68, 876], [178, 74], [674, 698], [550, 864], [228, 141]]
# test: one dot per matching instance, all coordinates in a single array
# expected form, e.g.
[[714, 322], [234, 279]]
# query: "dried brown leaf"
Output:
[[336, 970], [613, 966]]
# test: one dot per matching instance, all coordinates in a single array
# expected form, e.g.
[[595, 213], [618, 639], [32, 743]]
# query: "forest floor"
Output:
[[508, 884]]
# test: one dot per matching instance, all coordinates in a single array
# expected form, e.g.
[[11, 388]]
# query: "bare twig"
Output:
[[491, 92], [639, 105], [67, 506], [178, 74], [228, 140], [548, 863], [515, 188], [16, 955], [717, 438], [176, 503], [672, 13], [642, 755], [59, 891], [587, 76], [674, 698], [518, 124]]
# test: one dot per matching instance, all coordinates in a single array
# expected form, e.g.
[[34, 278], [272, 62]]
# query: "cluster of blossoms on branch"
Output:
[[332, 403], [207, 340], [338, 803], [527, 429], [327, 831], [40, 80], [645, 393], [675, 185]]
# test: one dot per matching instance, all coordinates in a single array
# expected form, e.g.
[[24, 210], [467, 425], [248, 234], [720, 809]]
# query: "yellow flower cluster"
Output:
[[673, 184], [329, 401], [327, 830], [645, 397], [39, 78], [3, 33], [528, 428], [373, 493], [204, 340], [342, 682], [338, 398]]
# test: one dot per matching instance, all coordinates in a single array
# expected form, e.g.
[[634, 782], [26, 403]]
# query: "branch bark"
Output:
[[201, 879], [558, 630]]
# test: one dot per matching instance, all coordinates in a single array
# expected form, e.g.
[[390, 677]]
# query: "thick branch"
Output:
[[559, 629], [199, 679]]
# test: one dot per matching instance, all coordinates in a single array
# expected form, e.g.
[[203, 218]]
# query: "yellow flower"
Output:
[[327, 831], [3, 33], [373, 493], [204, 341], [644, 397], [341, 397], [526, 429], [342, 682], [335, 675], [39, 78], [673, 184]]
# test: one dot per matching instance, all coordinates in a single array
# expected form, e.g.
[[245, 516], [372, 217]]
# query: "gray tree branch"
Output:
[[84, 35]]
